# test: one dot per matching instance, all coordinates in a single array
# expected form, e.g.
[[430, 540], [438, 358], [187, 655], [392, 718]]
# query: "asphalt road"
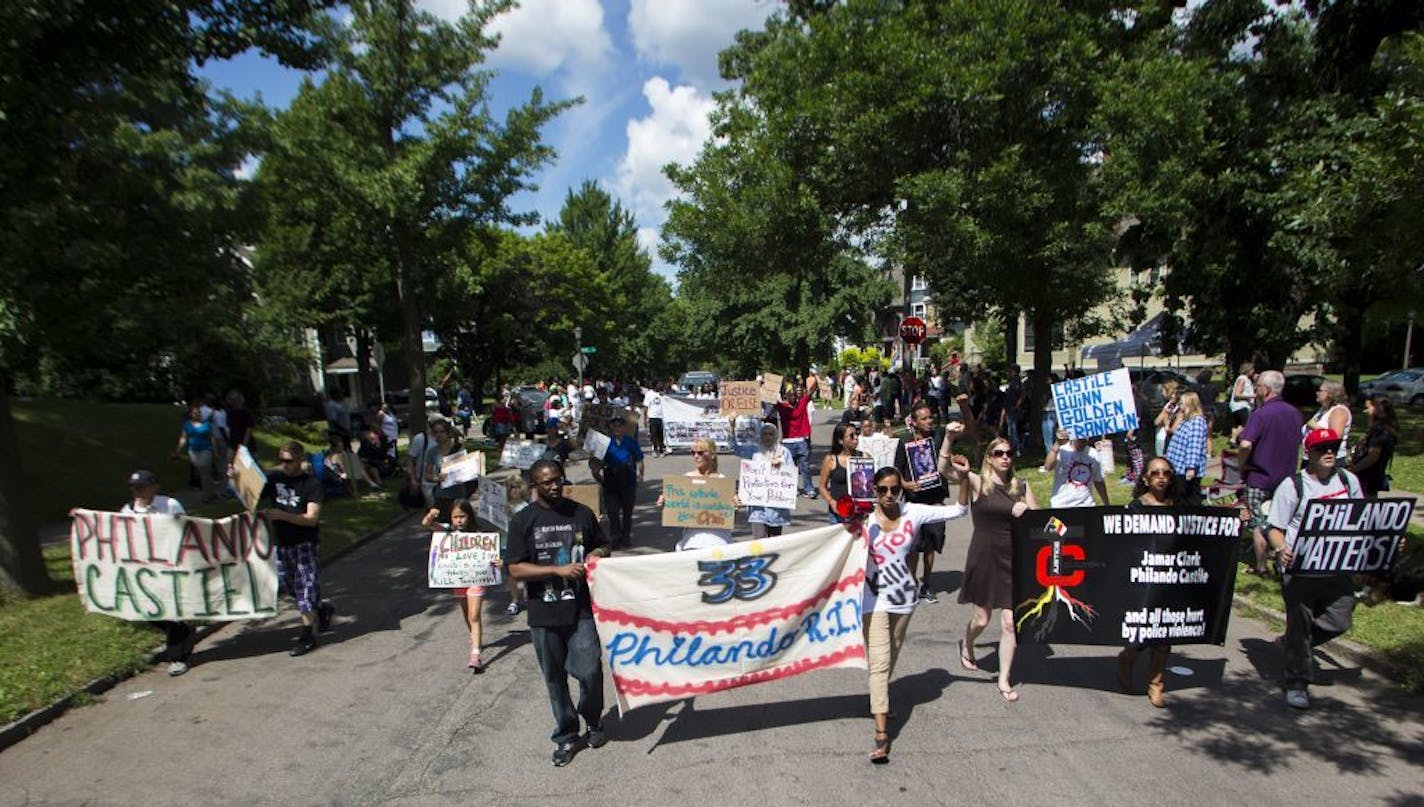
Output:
[[385, 712]]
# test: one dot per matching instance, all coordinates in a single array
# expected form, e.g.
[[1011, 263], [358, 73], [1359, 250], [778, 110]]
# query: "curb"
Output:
[[32, 722], [1362, 655]]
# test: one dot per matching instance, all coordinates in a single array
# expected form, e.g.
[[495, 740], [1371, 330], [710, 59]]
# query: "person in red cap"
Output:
[[1318, 606]]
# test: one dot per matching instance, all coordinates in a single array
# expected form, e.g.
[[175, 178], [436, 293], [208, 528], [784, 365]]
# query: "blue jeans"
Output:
[[801, 455], [1050, 428], [564, 651]]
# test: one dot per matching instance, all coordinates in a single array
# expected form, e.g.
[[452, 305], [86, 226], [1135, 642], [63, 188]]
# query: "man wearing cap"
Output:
[[178, 640], [1270, 451], [619, 472], [1318, 606]]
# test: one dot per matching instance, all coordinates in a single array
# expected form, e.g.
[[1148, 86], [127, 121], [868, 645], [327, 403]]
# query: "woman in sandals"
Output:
[[995, 498], [472, 599], [891, 590]]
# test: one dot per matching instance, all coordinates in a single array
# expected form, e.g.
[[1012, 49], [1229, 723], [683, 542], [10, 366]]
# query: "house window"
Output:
[[918, 309], [918, 284], [1058, 341]]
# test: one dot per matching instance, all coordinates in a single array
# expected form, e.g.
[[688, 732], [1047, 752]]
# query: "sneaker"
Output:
[[595, 738], [564, 754], [305, 644], [324, 613], [177, 668], [927, 595], [1297, 699], [514, 608]]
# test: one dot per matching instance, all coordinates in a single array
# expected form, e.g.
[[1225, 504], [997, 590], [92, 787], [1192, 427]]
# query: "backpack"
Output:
[[1299, 479]]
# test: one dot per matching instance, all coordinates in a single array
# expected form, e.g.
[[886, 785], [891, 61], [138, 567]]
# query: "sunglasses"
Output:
[[1159, 472], [888, 490], [1002, 452], [697, 453]]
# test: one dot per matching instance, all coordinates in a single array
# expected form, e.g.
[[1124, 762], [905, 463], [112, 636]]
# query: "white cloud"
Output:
[[688, 34], [541, 36], [673, 132]]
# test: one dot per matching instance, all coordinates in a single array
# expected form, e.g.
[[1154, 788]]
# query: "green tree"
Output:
[[119, 268]]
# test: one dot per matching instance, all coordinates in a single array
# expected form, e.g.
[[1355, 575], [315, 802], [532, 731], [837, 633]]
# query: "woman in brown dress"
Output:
[[995, 499]]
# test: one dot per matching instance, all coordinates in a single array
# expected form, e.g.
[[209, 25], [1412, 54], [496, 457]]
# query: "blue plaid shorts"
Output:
[[296, 569]]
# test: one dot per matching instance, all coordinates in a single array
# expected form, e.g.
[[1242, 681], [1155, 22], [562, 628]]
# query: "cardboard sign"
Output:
[[770, 390], [1096, 405], [823, 386], [1109, 576], [598, 416], [596, 443], [250, 479], [590, 496], [694, 501], [462, 559], [145, 567], [761, 485], [461, 467], [737, 398], [680, 624], [521, 454], [492, 506], [1350, 536]]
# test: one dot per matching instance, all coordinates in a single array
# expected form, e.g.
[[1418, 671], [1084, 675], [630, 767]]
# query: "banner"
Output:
[[461, 559], [461, 467], [1096, 405], [251, 481], [145, 567], [492, 504], [761, 485], [739, 399], [596, 443], [1354, 536], [521, 454], [691, 501], [681, 624], [591, 496], [770, 389], [1111, 576]]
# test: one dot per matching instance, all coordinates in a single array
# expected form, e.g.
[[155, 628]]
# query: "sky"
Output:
[[646, 70]]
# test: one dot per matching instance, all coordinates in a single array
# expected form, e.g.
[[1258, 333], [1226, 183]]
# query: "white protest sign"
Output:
[[880, 447], [461, 559], [1096, 405], [596, 443], [492, 506], [520, 454], [789, 605], [762, 485], [152, 566], [461, 467]]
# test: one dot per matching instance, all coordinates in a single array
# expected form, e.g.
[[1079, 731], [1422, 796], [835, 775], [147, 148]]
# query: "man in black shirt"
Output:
[[548, 542], [917, 460], [297, 496]]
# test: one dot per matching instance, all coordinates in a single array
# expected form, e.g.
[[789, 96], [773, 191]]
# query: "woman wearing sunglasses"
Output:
[[995, 498], [1159, 486], [704, 466], [834, 482], [890, 592]]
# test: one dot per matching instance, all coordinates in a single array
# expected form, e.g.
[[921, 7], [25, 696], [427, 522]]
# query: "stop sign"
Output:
[[913, 330]]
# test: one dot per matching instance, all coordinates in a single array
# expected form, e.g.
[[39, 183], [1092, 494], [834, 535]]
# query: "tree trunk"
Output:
[[411, 327], [1351, 323], [1011, 339], [1039, 392], [370, 389], [22, 567]]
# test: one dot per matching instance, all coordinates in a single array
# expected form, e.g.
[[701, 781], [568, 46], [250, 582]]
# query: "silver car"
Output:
[[1400, 386]]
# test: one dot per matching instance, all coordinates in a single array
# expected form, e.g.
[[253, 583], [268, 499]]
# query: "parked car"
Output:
[[1400, 386], [1300, 390], [692, 380], [528, 404]]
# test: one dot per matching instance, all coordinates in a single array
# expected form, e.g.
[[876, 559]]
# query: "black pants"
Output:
[[655, 433], [176, 636], [618, 503], [571, 650], [1317, 610]]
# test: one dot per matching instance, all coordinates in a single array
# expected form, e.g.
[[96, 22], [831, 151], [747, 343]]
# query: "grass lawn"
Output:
[[49, 646]]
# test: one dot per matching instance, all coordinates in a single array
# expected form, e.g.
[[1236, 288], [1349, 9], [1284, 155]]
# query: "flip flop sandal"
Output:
[[881, 754], [965, 660]]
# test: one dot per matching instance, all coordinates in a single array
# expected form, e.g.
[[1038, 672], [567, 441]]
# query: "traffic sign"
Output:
[[588, 349], [913, 330], [580, 362]]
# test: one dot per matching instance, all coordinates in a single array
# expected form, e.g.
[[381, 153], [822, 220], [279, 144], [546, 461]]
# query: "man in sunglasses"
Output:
[[548, 542], [916, 458], [294, 517]]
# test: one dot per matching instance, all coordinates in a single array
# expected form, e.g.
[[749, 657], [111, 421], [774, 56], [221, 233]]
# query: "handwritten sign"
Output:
[[461, 467], [521, 454], [739, 398], [250, 479], [492, 506], [699, 502], [770, 390], [823, 386], [596, 443], [1096, 405], [762, 485], [144, 567], [794, 607], [880, 447], [1354, 536], [590, 496], [461, 559]]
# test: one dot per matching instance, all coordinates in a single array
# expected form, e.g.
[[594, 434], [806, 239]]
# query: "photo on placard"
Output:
[[921, 455], [861, 473]]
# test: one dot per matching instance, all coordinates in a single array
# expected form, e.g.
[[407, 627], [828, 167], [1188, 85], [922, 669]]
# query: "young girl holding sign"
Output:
[[472, 599]]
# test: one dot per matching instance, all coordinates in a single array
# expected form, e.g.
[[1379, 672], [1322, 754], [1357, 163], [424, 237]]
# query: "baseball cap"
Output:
[[140, 478], [1320, 437]]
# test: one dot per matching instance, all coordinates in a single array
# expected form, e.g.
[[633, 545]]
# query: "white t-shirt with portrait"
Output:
[[1073, 478]]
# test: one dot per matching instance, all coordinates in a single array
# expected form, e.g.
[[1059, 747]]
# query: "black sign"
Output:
[[1350, 536], [1110, 576]]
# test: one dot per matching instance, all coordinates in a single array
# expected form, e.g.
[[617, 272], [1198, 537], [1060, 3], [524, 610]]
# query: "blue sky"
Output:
[[646, 69]]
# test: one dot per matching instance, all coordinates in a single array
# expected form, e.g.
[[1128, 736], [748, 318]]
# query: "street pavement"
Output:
[[385, 712]]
